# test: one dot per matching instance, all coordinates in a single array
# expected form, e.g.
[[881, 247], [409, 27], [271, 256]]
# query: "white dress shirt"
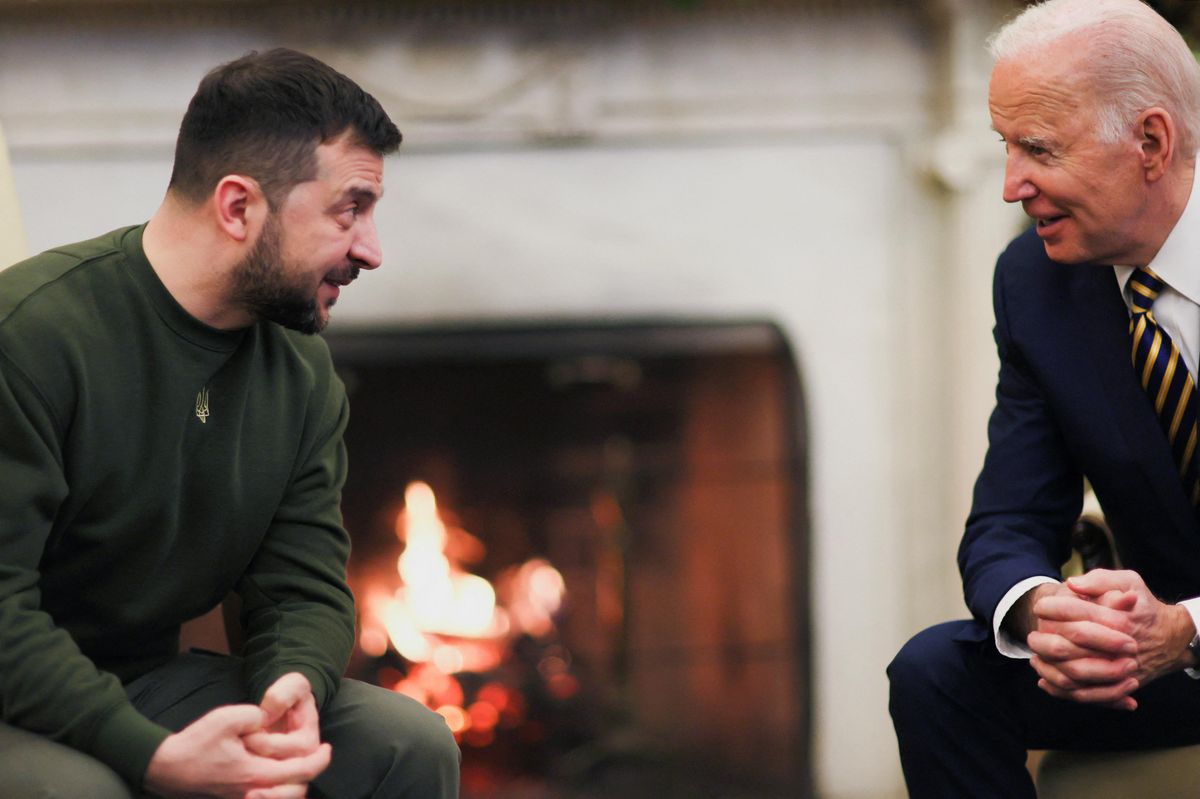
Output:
[[1177, 311]]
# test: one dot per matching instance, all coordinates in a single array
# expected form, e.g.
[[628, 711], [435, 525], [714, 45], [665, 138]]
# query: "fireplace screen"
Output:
[[586, 547]]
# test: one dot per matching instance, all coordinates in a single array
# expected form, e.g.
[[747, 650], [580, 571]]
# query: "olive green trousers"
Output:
[[385, 746]]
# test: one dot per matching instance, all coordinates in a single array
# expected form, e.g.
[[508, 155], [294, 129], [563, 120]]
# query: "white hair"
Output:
[[1131, 57]]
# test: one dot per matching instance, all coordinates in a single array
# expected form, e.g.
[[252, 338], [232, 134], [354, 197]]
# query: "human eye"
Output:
[[1037, 147]]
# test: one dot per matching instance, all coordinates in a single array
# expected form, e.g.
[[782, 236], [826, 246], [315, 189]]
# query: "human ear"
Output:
[[1156, 141], [238, 203]]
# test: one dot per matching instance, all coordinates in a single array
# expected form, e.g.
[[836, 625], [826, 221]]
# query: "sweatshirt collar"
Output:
[[168, 308]]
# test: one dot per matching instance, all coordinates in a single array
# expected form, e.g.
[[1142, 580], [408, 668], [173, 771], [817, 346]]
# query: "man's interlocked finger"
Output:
[[1116, 697], [1074, 608], [278, 745], [1092, 635], [1051, 646], [293, 770], [279, 792], [284, 694]]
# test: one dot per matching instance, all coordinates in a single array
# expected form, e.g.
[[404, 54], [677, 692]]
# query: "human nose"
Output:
[[365, 249], [1017, 185]]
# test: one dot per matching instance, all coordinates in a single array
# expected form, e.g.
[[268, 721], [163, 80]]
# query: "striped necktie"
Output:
[[1165, 377]]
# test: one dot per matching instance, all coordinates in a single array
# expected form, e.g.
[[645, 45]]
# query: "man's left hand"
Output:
[[292, 727]]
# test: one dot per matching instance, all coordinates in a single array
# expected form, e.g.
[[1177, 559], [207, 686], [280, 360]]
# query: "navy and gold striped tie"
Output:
[[1165, 377]]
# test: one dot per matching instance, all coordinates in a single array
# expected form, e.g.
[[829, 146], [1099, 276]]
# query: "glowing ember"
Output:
[[428, 685], [457, 718], [484, 715], [373, 641], [534, 592]]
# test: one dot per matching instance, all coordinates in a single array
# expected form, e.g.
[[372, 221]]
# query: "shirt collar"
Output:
[[1176, 262]]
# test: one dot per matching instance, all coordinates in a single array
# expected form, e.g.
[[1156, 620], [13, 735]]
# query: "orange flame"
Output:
[[443, 616]]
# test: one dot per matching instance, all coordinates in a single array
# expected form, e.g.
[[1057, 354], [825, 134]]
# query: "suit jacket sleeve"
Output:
[[1030, 491]]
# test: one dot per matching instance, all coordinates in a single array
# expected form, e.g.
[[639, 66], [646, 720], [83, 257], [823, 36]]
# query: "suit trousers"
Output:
[[385, 745], [965, 716]]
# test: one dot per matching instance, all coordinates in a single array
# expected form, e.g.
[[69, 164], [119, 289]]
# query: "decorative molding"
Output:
[[444, 10], [86, 136], [549, 15], [489, 86]]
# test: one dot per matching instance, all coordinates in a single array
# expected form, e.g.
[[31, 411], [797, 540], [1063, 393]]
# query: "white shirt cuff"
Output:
[[1192, 606], [1005, 643]]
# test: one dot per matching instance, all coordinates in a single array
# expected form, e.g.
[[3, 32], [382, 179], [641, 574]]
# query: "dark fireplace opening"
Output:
[[586, 545]]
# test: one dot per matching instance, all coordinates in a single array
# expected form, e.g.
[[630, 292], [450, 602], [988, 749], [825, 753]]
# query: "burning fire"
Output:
[[445, 620], [438, 600]]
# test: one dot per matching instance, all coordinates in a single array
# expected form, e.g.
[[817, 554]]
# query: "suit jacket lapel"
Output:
[[1107, 322]]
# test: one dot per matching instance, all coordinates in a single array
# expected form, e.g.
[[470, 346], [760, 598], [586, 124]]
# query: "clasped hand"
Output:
[[1099, 637], [269, 751]]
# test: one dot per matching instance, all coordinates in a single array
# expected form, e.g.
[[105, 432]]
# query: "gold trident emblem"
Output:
[[202, 405]]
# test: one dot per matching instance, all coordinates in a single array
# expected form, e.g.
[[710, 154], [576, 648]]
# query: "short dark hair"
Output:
[[263, 116]]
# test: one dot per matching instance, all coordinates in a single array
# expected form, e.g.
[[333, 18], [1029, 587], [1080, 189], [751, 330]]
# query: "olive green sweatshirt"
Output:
[[149, 464]]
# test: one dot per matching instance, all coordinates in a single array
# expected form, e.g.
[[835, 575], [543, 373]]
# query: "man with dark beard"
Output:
[[171, 432]]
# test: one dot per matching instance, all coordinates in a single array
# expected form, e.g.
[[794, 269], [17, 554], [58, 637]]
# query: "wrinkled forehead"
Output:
[[1052, 90], [1067, 68]]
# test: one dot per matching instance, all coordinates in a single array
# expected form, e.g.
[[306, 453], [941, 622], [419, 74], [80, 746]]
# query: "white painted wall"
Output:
[[12, 234], [741, 166]]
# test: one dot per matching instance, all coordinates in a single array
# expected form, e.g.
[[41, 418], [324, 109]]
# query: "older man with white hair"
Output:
[[1097, 306]]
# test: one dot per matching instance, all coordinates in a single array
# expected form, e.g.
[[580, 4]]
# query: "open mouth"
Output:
[[1048, 226], [342, 277], [334, 287]]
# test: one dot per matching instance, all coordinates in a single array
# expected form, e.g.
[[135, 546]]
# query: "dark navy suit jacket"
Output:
[[1068, 405]]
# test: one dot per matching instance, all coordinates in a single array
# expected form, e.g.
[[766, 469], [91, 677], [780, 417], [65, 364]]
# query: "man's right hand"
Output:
[[209, 758]]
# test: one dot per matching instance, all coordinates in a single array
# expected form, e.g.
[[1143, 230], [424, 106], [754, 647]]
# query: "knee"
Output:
[[925, 668], [34, 767], [424, 737], [69, 778], [417, 750], [398, 745]]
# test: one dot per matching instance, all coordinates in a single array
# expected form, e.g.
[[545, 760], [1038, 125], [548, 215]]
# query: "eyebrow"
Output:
[[362, 194], [1027, 141], [1036, 141]]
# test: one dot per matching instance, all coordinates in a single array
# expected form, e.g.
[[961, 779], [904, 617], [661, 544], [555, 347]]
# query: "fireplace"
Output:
[[586, 545]]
